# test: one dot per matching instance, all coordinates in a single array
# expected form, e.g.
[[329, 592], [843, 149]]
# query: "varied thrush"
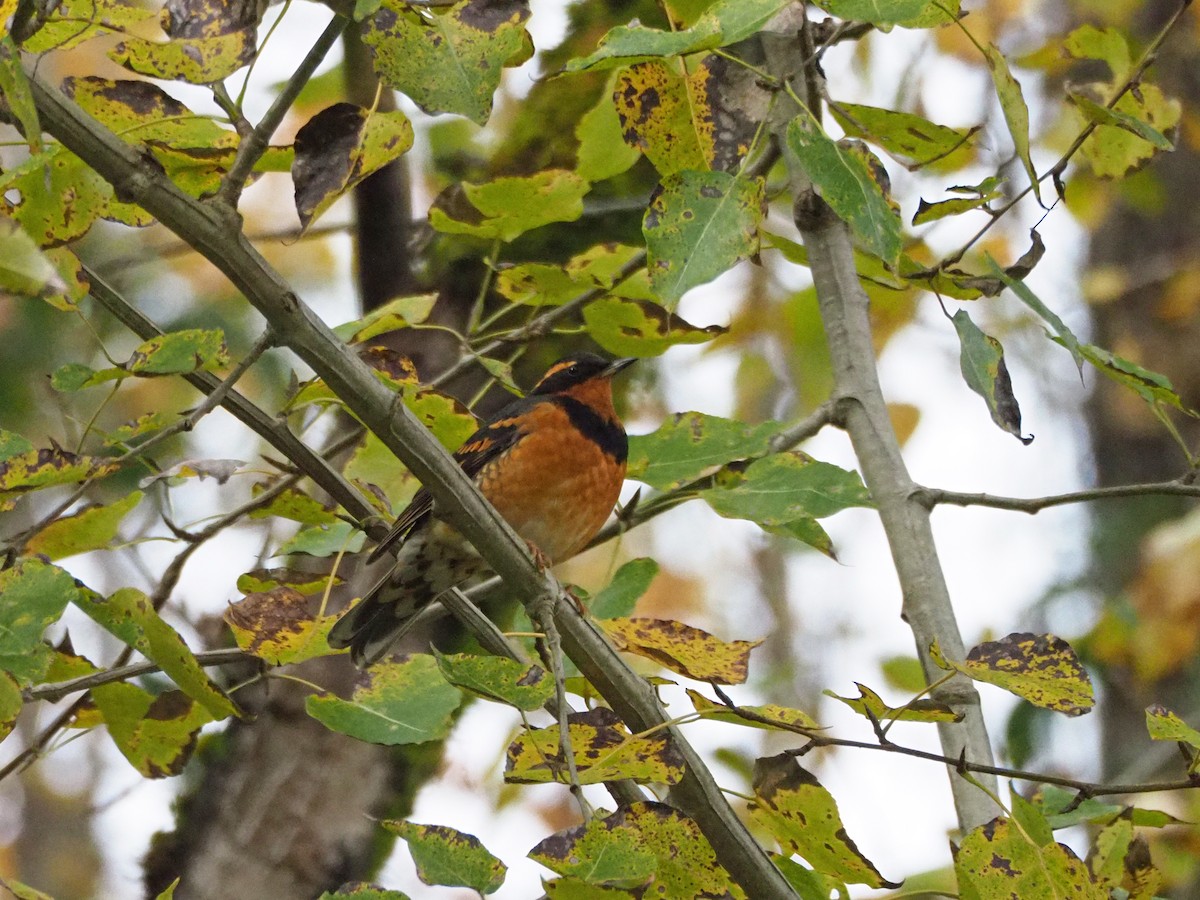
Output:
[[552, 463]]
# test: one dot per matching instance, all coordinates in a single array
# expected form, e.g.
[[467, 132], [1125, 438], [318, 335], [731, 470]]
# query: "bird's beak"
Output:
[[619, 365]]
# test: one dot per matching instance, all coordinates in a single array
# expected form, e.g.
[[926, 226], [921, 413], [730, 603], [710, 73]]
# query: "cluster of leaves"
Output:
[[665, 100]]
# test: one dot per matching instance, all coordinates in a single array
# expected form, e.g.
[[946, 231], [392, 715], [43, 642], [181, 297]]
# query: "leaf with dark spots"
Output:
[[637, 842], [871, 705], [180, 353], [277, 626], [49, 466], [339, 147], [692, 444], [604, 751], [194, 60], [468, 45], [803, 816], [33, 595], [155, 734], [683, 649], [526, 687], [446, 856], [1041, 668], [208, 18], [641, 328], [72, 22], [999, 860]]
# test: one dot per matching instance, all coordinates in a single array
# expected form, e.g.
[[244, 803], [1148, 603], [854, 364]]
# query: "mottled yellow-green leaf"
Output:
[[445, 856], [10, 703], [998, 860], [664, 114], [73, 282], [24, 269], [324, 540], [155, 734], [1041, 668], [361, 890], [603, 853], [1016, 112], [391, 316], [35, 469], [90, 529], [697, 226], [641, 328], [295, 505], [886, 13], [396, 702], [496, 678], [506, 208], [803, 816], [195, 60], [447, 60], [1165, 725], [277, 625], [261, 580], [870, 704], [180, 353], [906, 135], [604, 750], [683, 649], [73, 22], [54, 195], [386, 480], [541, 284], [782, 717], [129, 614]]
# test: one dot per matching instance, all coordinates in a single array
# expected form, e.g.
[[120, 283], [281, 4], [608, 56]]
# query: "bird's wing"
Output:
[[485, 445]]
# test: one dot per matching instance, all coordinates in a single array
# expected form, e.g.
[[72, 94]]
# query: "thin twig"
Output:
[[55, 691], [931, 497], [253, 145]]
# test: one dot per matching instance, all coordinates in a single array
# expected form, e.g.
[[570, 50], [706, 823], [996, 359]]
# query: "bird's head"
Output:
[[571, 373]]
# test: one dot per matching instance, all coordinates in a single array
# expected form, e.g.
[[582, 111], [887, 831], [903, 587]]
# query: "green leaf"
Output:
[[848, 185], [362, 891], [698, 225], [90, 529], [276, 626], [506, 208], [447, 60], [391, 316], [1065, 336], [1108, 45], [681, 648], [1117, 118], [24, 269], [692, 444], [803, 816], [195, 60], [76, 377], [406, 702], [14, 87], [622, 593], [448, 857], [124, 434], [324, 540], [1016, 113], [33, 595], [786, 487], [526, 687], [905, 135], [1150, 386], [129, 614], [295, 505], [155, 734], [1165, 725], [1041, 668], [886, 13], [724, 22], [1131, 132], [339, 147], [978, 197], [997, 860], [641, 328], [604, 750], [982, 363], [602, 152], [601, 852], [304, 583], [180, 353]]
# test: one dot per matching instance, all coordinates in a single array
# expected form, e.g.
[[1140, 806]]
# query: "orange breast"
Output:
[[555, 487]]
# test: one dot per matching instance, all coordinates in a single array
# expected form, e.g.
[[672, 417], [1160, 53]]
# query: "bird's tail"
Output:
[[371, 627]]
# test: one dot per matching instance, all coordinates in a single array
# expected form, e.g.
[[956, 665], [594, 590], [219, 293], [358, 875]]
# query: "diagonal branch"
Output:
[[214, 230]]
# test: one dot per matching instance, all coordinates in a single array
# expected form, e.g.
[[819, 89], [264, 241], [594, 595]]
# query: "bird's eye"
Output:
[[573, 369]]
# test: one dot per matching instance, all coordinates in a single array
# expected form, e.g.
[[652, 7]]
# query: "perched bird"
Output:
[[552, 463]]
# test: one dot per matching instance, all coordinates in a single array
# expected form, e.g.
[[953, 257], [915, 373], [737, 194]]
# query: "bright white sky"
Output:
[[997, 563]]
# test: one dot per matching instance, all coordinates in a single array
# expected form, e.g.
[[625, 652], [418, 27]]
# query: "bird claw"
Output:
[[540, 559]]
